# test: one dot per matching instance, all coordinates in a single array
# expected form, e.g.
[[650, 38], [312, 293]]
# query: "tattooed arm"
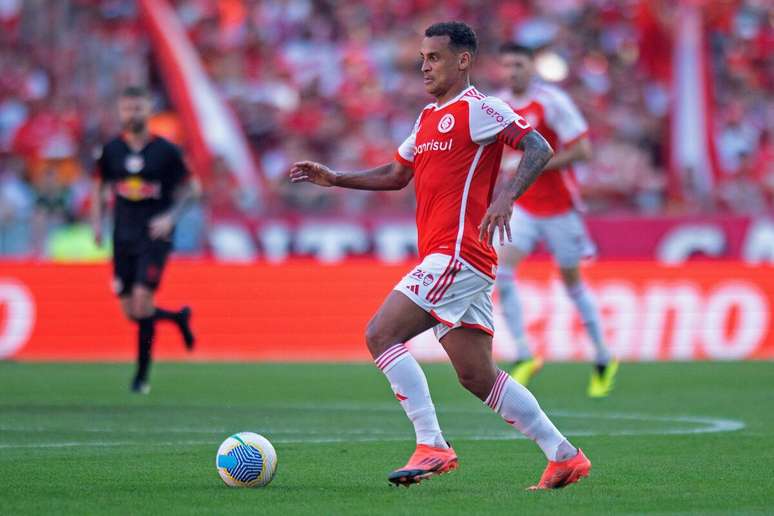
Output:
[[537, 153]]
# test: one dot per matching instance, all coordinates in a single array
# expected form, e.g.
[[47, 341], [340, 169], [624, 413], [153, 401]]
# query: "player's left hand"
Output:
[[497, 218], [161, 226]]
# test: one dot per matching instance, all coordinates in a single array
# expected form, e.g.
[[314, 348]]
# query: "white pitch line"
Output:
[[710, 425], [178, 430], [713, 425]]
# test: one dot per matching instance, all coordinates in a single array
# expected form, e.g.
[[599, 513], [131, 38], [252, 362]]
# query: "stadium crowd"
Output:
[[338, 82]]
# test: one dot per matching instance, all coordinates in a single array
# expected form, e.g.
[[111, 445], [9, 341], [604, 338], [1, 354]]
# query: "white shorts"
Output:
[[565, 236], [451, 291]]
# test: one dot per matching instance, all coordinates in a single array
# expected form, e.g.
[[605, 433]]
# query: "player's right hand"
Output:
[[497, 219], [311, 172]]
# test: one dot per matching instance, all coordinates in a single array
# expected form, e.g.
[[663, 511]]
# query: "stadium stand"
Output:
[[335, 82]]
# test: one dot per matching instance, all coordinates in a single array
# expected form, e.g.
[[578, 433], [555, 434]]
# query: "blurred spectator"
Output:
[[621, 176], [223, 196], [741, 192], [52, 207], [16, 207], [764, 164], [737, 141]]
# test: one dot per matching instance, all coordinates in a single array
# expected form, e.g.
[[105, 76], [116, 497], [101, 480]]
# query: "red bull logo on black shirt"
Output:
[[135, 189]]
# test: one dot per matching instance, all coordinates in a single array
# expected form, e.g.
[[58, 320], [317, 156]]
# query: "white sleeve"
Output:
[[564, 117], [407, 149], [489, 116]]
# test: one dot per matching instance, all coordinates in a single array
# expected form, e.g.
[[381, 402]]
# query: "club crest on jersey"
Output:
[[134, 163], [447, 123], [428, 280]]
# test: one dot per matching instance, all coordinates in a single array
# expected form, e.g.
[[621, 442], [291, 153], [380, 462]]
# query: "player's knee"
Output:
[[140, 312], [142, 303], [477, 381], [377, 338]]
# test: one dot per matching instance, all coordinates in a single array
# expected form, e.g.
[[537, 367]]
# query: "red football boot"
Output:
[[564, 473], [427, 461]]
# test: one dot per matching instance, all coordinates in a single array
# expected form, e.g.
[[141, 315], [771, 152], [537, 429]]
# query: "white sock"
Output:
[[511, 307], [409, 384], [589, 313], [519, 408]]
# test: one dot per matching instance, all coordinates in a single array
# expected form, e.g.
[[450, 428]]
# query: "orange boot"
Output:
[[564, 473], [427, 461]]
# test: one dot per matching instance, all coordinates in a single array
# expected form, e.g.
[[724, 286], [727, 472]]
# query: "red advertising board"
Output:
[[678, 239], [664, 239], [302, 310]]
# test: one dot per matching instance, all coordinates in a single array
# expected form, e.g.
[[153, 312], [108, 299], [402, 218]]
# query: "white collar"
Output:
[[464, 92]]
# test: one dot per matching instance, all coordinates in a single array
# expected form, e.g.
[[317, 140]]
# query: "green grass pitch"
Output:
[[673, 438]]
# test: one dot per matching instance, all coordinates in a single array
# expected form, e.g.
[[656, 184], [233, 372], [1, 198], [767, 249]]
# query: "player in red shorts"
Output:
[[550, 212], [453, 153]]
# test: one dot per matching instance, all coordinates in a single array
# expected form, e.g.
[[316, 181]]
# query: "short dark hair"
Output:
[[510, 47], [461, 36], [135, 91]]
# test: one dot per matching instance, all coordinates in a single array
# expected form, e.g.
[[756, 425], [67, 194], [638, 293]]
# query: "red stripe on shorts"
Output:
[[452, 275], [440, 279]]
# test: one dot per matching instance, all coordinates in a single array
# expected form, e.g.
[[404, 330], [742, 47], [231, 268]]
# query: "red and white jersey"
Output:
[[456, 157], [552, 113]]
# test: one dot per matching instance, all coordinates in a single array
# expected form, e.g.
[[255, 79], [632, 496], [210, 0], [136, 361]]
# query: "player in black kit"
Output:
[[152, 188]]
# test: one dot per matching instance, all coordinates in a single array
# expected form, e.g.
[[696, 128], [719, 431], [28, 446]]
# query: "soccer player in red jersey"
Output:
[[550, 211], [453, 154]]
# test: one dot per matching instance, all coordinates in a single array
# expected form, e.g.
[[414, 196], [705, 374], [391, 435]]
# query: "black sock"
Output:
[[163, 314], [145, 333]]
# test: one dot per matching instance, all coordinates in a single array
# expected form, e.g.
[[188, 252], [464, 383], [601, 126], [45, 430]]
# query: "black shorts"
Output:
[[139, 263]]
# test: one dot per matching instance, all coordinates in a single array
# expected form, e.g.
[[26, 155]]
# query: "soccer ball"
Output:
[[246, 459]]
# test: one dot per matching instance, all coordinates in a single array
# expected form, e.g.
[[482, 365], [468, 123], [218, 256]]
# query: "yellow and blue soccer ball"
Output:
[[246, 459]]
